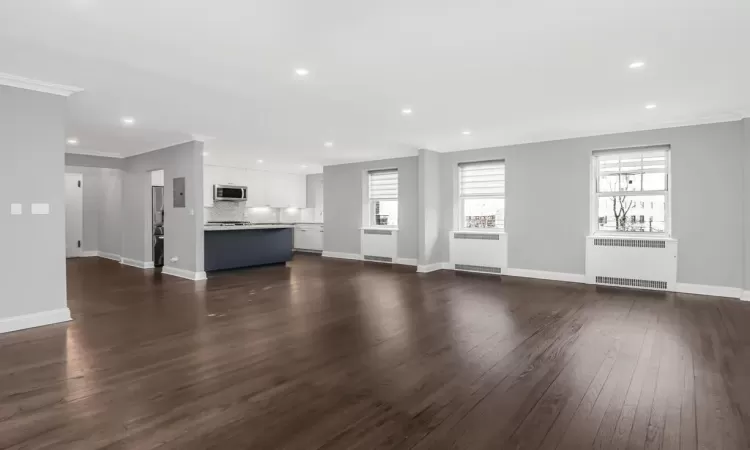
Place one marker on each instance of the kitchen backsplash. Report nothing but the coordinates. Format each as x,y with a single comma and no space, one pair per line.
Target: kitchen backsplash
231,211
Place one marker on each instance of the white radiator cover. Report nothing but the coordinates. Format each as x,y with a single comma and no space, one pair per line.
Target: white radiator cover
479,249
379,243
632,261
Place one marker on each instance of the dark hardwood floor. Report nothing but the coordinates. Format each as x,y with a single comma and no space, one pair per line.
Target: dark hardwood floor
344,355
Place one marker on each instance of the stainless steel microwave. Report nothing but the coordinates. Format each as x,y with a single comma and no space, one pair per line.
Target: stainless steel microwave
230,193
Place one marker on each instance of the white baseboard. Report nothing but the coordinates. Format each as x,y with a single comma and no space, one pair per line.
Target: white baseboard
544,275
136,263
182,273
89,253
716,291
339,255
427,268
406,261
745,296
111,256
39,319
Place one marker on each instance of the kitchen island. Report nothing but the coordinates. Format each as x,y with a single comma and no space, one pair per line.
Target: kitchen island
237,246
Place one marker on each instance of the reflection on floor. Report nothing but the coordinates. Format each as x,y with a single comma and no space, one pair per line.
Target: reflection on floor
340,354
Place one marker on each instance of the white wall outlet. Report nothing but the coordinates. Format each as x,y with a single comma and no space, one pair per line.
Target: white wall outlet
174,259
16,209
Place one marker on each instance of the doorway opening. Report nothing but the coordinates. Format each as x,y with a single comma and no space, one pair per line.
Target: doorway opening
73,215
157,217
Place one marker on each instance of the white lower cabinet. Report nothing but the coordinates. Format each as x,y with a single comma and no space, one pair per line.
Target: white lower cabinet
308,237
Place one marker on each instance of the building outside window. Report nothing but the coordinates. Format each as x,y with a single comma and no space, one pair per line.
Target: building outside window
383,195
481,194
631,185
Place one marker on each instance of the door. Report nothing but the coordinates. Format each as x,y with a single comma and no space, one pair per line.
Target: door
73,215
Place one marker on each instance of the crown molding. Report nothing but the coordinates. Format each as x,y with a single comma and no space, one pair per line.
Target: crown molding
94,153
202,137
7,79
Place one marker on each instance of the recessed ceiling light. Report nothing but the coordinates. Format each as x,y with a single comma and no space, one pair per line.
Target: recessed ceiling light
304,166
206,153
302,72
406,112
651,106
73,141
128,121
328,144
466,132
637,64
260,161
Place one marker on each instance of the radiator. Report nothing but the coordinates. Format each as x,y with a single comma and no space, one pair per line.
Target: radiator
479,251
379,245
632,262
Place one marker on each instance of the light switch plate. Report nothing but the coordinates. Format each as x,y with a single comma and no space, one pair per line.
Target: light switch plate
16,209
40,208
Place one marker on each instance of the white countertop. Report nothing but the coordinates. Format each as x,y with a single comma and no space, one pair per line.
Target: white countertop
244,227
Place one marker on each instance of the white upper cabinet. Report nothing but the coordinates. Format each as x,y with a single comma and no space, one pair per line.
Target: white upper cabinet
233,176
257,188
279,190
211,176
274,189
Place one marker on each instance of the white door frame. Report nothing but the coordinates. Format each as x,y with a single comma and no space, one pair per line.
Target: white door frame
73,215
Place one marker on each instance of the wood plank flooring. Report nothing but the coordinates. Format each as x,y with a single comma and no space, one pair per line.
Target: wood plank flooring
329,354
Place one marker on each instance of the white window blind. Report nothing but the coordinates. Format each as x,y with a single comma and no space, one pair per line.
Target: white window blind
482,179
384,185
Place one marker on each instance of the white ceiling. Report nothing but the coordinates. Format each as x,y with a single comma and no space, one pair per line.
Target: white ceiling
509,70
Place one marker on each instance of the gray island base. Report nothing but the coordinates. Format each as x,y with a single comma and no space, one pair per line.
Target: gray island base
236,248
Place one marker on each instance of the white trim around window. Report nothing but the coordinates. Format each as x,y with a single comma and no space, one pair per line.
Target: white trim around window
480,186
635,184
381,188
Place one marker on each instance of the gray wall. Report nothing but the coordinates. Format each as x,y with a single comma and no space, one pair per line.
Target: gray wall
72,159
430,250
550,180
342,190
746,167
32,144
110,211
183,235
102,204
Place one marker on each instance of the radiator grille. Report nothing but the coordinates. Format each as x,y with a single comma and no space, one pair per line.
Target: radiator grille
485,269
635,243
383,232
632,282
487,237
378,258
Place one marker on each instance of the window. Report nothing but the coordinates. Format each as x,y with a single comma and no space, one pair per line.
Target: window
383,191
626,183
481,192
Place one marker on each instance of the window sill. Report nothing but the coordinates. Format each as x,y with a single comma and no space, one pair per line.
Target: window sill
662,237
379,228
479,231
